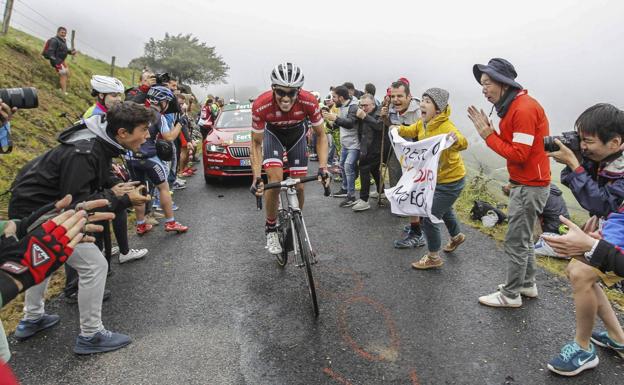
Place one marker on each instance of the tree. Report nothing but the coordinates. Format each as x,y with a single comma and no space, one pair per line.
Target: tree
185,58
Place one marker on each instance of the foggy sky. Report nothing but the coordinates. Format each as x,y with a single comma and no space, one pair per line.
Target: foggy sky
568,54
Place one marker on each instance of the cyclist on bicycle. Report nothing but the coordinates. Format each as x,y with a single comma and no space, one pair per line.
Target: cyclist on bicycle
279,125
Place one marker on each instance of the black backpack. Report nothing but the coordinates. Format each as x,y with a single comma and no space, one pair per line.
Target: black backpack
481,208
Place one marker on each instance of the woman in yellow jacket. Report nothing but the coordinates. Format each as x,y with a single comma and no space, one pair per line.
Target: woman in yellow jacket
435,113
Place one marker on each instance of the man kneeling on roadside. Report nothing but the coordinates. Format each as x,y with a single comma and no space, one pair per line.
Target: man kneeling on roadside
597,182
80,165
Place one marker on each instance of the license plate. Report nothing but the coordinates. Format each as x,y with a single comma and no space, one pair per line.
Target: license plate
245,162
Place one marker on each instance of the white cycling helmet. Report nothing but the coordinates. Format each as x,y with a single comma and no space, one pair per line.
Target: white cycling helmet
106,84
287,75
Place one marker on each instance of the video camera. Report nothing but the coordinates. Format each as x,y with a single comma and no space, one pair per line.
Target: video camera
570,139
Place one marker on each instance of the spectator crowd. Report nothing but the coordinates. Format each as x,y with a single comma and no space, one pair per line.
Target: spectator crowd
133,148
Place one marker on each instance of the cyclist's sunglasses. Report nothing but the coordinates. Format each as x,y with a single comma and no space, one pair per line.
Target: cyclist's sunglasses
281,93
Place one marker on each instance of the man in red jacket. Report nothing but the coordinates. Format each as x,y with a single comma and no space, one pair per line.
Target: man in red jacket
522,128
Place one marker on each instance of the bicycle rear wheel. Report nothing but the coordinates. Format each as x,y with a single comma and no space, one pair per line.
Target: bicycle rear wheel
306,258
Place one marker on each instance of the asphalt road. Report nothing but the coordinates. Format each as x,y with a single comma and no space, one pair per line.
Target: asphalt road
212,307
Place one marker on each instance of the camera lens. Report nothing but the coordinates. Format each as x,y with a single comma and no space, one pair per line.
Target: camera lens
20,97
549,144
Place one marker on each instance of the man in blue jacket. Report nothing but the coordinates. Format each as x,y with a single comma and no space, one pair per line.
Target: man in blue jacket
597,182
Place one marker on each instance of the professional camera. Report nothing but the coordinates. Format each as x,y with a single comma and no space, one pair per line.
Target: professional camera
569,139
20,97
162,78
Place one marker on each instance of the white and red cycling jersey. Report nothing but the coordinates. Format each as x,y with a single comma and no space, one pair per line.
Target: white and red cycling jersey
266,111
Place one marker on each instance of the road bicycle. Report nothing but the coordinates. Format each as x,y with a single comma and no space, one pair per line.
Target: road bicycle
292,232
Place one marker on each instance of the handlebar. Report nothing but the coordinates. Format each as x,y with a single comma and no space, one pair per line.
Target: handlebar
291,182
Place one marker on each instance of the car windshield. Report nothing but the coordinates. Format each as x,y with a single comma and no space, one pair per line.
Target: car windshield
234,119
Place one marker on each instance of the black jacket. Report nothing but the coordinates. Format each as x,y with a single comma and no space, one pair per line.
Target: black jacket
57,50
555,206
370,130
608,257
80,165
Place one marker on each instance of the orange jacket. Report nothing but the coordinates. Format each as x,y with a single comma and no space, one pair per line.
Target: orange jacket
521,141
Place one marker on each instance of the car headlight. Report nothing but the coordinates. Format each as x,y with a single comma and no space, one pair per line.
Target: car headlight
215,148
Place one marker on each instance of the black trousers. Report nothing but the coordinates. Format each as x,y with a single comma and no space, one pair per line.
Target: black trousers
369,166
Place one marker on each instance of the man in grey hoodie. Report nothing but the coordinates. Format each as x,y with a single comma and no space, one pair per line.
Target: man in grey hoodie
80,165
349,140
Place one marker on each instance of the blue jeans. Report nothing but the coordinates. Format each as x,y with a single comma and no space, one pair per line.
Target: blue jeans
444,197
348,162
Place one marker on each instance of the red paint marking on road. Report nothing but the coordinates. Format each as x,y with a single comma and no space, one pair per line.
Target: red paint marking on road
414,377
346,335
336,376
357,287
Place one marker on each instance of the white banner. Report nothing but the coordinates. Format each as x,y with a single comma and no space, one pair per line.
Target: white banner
413,194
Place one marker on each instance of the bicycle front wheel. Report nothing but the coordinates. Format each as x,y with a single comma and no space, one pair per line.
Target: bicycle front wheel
306,258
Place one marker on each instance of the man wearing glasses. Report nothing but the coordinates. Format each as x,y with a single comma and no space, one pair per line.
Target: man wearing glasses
279,125
370,127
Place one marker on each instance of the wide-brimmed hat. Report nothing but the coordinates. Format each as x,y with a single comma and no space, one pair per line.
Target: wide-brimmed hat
499,70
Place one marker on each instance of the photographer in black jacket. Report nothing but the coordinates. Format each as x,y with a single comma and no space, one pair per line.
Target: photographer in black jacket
80,166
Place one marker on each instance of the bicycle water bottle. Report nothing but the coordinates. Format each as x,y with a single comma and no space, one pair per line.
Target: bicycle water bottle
292,198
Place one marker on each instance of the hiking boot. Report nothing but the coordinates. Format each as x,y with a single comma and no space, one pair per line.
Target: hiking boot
273,244
360,205
102,341
573,359
428,262
27,328
143,228
73,297
454,242
411,240
529,292
132,254
498,299
603,339
175,226
340,194
347,202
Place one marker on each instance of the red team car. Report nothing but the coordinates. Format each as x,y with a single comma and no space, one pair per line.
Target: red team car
226,147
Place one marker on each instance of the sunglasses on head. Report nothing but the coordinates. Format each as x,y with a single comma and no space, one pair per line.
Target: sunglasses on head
281,93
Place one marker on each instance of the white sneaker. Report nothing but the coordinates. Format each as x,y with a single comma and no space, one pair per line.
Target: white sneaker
181,182
273,244
114,250
373,194
360,205
132,254
499,300
529,292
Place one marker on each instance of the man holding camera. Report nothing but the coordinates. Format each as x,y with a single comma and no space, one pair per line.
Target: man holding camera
523,126
80,165
595,175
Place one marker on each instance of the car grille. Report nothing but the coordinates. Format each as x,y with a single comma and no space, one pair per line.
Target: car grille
239,152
